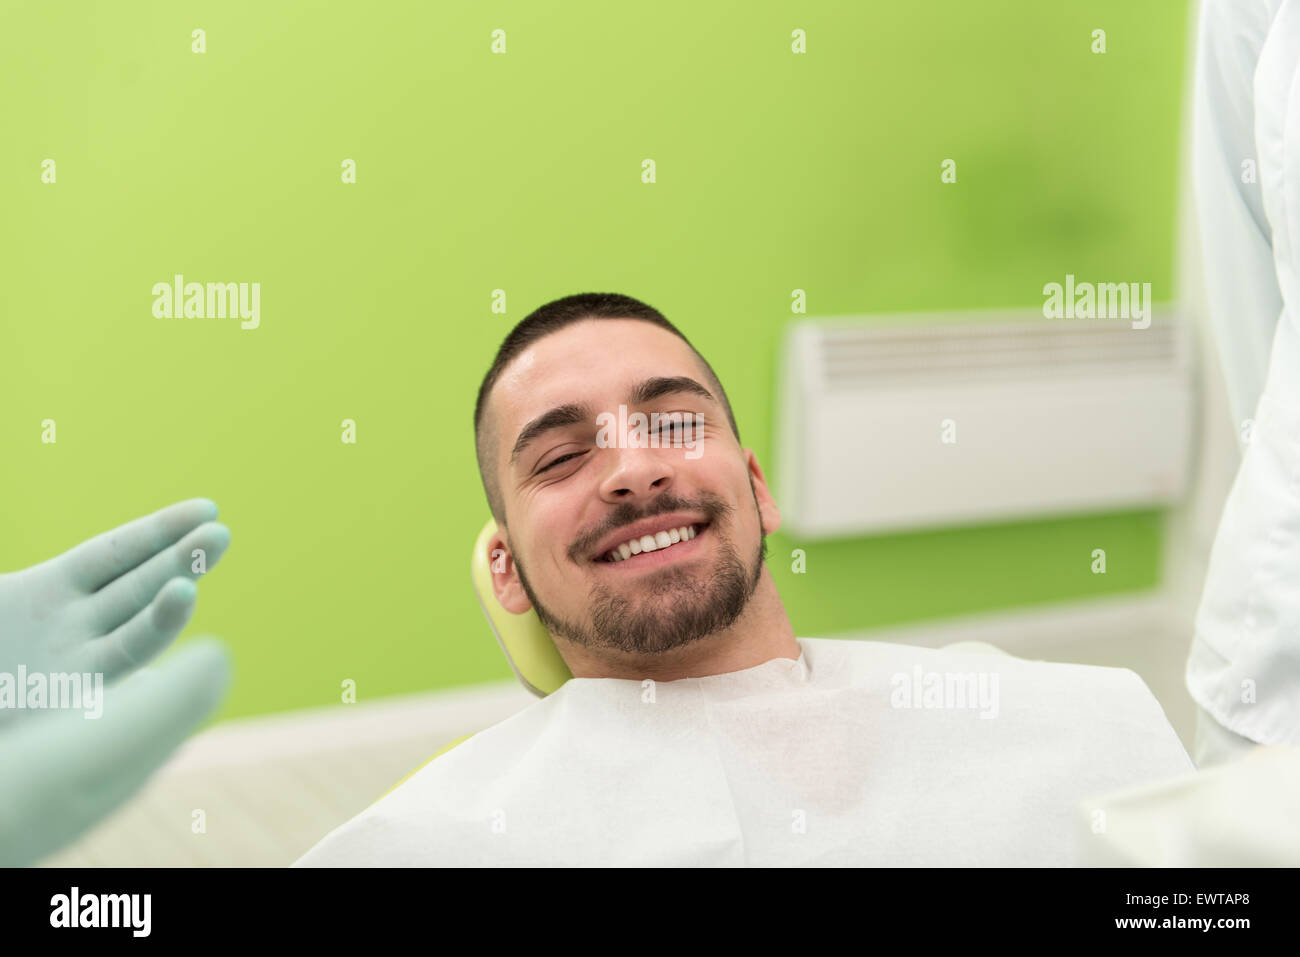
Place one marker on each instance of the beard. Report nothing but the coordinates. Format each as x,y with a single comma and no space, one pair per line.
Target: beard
672,607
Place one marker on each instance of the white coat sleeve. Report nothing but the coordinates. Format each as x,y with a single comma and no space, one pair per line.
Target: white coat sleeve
1244,301
1240,278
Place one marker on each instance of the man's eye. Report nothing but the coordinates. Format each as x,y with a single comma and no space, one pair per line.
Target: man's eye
562,458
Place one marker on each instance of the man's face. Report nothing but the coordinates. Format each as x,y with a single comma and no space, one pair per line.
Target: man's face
572,492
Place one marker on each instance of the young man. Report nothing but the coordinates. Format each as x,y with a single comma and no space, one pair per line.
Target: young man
698,729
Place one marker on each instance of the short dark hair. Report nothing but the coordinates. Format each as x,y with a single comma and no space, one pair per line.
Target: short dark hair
543,321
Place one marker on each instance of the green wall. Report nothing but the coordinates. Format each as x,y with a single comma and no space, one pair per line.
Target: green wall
521,172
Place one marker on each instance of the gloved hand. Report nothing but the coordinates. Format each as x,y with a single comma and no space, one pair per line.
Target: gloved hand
108,605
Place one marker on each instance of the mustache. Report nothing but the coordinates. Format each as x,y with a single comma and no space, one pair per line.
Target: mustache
712,506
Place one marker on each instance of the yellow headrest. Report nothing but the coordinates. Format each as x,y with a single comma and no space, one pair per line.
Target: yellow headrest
526,642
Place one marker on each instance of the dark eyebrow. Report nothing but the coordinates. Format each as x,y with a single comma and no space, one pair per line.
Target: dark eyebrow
557,418
650,389
573,413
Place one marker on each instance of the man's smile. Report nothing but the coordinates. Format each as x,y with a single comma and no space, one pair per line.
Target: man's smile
667,543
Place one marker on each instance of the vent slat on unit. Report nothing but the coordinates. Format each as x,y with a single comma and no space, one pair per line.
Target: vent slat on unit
920,423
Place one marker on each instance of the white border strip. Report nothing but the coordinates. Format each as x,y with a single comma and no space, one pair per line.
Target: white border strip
438,716
1035,631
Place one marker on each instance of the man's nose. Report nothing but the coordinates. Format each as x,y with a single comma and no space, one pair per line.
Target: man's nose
635,472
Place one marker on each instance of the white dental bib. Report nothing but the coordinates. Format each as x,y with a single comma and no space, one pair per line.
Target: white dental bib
820,761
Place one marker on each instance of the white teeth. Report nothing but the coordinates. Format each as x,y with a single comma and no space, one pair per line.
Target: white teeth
650,543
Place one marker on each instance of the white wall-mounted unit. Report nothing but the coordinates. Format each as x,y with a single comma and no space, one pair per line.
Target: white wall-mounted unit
921,422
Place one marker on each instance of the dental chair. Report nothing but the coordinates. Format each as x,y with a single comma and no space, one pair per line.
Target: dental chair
527,644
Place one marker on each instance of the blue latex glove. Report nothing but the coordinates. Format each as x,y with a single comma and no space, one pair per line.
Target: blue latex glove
109,605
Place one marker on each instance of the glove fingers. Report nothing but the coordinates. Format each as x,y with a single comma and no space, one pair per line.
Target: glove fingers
143,637
96,562
120,600
61,772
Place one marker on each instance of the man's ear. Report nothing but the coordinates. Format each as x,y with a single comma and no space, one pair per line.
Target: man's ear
767,510
505,578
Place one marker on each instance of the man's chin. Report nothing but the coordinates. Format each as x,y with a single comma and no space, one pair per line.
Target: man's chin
659,610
